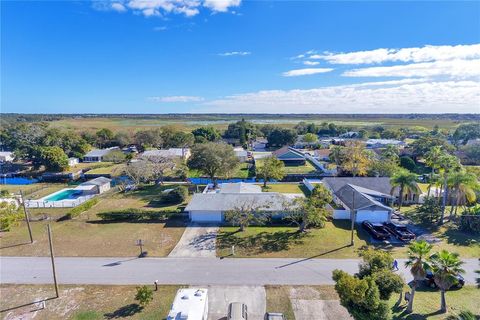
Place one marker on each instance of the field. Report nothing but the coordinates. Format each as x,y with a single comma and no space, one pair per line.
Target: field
87,235
284,188
301,169
84,302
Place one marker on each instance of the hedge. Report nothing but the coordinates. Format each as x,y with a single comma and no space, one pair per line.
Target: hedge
81,208
135,214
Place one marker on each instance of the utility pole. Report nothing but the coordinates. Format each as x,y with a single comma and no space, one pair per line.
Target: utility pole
27,218
352,215
52,259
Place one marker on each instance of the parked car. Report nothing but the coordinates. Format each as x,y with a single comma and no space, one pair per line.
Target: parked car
376,230
274,316
401,232
237,311
431,283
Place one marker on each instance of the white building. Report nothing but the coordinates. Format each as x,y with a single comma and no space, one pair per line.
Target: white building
98,185
190,304
6,156
72,162
182,153
241,154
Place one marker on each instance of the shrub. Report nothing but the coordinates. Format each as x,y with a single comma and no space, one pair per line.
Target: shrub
135,214
429,211
144,295
9,215
75,212
470,219
177,195
407,163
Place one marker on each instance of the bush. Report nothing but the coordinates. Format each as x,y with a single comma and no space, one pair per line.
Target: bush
470,219
9,215
177,195
407,163
144,295
75,212
134,214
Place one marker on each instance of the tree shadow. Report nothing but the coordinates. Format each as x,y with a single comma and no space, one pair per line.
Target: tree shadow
124,312
15,245
455,236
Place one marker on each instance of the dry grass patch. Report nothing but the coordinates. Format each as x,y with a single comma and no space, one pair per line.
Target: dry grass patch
278,300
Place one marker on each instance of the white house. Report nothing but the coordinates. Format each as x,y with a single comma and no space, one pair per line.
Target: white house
181,153
97,155
6,156
189,304
383,143
241,154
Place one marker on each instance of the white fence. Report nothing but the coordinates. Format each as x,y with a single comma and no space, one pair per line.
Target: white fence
68,203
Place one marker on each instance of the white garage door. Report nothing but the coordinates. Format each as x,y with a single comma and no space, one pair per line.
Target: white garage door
372,216
206,216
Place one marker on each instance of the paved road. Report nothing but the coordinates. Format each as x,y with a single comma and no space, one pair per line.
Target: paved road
189,271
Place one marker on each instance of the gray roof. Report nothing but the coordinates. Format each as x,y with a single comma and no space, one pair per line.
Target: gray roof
240,187
357,200
380,184
265,201
100,181
172,152
100,152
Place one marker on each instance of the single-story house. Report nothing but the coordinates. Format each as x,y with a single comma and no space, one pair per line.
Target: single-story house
72,162
241,154
6,156
179,153
211,206
350,135
290,156
130,149
367,204
379,184
383,143
97,155
96,186
260,144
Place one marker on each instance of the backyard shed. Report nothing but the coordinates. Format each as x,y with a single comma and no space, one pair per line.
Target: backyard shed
98,185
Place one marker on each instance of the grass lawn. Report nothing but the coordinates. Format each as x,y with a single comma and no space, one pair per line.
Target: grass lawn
301,169
241,172
427,303
89,236
84,302
112,169
284,188
278,300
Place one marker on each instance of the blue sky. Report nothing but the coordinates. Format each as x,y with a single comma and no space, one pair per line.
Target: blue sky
163,56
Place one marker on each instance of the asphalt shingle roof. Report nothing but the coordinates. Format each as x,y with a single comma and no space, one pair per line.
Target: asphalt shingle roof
357,200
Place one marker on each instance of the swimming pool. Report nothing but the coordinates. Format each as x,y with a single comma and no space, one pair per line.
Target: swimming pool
65,194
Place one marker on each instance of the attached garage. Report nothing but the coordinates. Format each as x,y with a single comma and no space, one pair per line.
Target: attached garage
206,216
372,216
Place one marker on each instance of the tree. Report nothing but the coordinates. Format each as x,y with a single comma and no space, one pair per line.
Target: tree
373,261
310,138
144,295
447,164
356,159
245,213
174,138
139,171
204,134
431,159
148,139
463,186
174,196
418,264
407,163
471,154
213,159
445,267
121,139
465,132
423,144
406,181
309,211
160,167
271,168
9,215
53,158
281,137
429,211
116,156
104,137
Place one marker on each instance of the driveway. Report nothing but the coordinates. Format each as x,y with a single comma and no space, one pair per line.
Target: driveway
197,241
219,297
307,304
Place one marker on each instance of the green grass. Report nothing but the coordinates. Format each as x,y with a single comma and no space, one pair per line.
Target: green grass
241,172
300,169
427,303
284,188
87,302
112,169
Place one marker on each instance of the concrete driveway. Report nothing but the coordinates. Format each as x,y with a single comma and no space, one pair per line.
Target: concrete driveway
219,297
197,241
308,304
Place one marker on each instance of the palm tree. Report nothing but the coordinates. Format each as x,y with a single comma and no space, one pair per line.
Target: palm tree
434,181
445,266
417,251
406,181
463,186
447,164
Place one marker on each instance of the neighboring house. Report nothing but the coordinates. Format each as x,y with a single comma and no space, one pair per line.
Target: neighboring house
379,184
350,135
290,156
368,204
96,186
189,304
211,206
98,154
6,156
260,144
130,149
179,153
241,154
322,154
72,162
383,143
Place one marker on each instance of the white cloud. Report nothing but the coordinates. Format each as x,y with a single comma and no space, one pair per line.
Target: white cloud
455,69
149,8
311,63
176,99
416,54
117,6
398,96
306,71
235,53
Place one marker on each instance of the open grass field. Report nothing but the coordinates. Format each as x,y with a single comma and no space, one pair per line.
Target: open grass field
84,302
87,235
301,169
284,188
329,242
